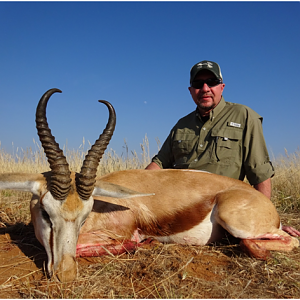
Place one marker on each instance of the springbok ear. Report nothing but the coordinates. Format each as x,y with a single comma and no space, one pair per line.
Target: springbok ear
107,189
25,182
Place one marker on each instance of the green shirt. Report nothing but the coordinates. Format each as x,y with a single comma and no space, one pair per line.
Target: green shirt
229,143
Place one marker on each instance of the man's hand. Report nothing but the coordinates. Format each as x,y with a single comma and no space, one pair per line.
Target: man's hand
291,231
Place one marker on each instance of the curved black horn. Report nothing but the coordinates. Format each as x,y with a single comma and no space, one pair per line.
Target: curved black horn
60,178
85,181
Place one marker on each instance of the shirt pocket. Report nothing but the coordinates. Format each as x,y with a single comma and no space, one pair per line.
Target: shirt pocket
226,145
182,149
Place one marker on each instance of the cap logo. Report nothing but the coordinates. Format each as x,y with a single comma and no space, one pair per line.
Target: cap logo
208,64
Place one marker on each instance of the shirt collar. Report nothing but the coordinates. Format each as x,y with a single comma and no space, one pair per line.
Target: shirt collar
218,108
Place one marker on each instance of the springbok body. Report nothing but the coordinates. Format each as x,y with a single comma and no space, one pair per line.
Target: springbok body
87,215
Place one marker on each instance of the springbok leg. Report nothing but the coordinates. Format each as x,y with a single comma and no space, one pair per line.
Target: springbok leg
250,216
93,245
259,247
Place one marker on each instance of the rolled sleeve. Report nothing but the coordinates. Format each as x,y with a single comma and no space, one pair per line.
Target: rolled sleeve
260,173
156,160
164,158
257,162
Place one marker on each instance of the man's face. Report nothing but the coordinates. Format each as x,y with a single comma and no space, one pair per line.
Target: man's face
206,98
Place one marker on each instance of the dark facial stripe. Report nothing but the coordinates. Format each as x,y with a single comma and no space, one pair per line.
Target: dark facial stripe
51,246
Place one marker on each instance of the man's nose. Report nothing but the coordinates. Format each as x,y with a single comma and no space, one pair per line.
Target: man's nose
205,87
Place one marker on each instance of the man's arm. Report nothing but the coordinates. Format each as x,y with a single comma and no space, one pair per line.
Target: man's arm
163,159
265,187
152,166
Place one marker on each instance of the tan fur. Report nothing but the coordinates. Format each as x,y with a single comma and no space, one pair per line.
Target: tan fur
180,208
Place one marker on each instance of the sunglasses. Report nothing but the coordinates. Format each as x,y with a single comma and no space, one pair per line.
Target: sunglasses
211,82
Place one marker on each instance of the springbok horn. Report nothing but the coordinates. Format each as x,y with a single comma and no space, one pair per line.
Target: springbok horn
60,178
85,181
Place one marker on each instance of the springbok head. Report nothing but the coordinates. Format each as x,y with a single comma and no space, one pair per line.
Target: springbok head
64,199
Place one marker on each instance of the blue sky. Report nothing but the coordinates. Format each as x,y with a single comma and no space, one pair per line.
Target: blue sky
138,55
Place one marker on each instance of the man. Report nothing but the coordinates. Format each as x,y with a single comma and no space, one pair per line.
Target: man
219,137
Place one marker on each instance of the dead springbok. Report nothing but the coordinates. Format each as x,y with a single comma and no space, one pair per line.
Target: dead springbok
114,213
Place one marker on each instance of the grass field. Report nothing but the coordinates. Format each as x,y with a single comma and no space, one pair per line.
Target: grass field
160,271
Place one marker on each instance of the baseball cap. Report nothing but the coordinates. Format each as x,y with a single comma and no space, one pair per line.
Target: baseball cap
206,65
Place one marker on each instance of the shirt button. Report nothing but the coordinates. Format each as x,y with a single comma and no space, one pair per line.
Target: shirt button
201,145
204,128
196,159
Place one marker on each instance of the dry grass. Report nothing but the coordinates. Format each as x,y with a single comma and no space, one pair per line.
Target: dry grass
286,183
160,271
33,160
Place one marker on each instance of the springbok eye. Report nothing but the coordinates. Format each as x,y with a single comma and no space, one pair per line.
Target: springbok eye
82,223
